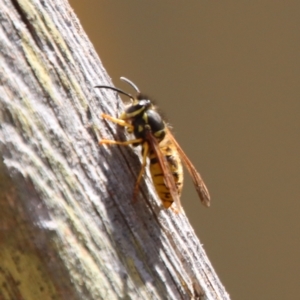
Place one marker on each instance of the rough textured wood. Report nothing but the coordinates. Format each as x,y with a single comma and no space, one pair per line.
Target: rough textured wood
68,227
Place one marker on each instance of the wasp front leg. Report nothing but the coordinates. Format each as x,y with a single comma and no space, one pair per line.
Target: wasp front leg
133,142
118,121
123,123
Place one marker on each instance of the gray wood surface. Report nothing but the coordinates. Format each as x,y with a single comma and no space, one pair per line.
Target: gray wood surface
68,226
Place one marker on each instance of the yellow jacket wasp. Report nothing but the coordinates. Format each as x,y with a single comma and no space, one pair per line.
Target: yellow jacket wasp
159,145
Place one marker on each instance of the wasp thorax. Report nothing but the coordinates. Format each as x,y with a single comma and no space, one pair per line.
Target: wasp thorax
148,121
155,122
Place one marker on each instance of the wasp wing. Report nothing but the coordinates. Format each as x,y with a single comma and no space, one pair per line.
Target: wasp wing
197,180
168,177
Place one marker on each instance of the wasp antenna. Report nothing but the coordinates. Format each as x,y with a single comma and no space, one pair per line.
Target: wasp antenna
114,89
131,83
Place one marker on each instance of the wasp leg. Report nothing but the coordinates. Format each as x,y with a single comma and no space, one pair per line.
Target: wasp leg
126,143
117,121
121,123
145,154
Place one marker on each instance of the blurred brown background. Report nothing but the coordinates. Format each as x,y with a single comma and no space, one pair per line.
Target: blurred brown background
227,75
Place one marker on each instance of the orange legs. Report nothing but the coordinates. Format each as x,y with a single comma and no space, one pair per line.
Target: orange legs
145,147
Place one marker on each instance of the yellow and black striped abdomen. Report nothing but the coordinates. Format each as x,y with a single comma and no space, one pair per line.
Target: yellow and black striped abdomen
170,153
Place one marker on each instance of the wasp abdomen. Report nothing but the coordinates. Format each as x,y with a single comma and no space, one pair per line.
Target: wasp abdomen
175,166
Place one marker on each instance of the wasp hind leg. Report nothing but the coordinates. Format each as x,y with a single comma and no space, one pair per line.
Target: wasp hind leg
145,154
142,171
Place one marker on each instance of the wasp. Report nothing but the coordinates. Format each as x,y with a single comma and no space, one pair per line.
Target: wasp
159,146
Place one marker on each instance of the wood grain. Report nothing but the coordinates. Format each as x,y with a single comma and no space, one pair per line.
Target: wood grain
68,226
